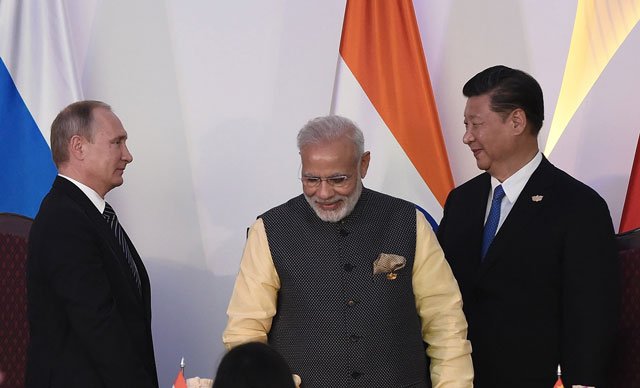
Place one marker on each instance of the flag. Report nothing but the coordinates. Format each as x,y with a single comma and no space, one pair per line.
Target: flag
558,383
180,381
37,80
382,83
631,211
599,30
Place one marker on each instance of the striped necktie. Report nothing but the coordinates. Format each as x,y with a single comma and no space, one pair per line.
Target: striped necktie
110,215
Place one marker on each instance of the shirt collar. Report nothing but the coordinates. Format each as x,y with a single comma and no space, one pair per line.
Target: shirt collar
514,185
94,197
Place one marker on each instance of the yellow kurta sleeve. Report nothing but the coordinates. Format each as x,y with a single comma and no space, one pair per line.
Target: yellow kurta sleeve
439,304
253,301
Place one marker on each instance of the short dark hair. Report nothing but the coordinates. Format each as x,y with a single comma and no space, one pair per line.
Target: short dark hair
509,89
253,365
75,119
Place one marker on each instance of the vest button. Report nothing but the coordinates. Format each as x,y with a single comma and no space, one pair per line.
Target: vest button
354,338
356,374
348,267
352,302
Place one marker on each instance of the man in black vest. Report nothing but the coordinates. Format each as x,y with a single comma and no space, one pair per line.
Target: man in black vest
348,283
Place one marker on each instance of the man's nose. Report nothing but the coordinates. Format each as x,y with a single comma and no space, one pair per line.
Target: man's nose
325,190
467,137
126,155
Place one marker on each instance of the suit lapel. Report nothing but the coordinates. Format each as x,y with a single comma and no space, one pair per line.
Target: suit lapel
528,207
469,221
142,272
144,277
103,229
478,210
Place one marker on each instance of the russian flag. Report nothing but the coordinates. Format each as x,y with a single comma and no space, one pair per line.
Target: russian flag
37,80
382,83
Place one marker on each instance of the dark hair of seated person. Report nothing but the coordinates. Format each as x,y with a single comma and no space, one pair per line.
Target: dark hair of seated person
253,365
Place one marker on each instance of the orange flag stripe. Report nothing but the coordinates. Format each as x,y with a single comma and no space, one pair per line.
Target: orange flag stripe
381,45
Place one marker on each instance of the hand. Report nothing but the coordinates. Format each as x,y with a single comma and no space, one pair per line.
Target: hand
297,380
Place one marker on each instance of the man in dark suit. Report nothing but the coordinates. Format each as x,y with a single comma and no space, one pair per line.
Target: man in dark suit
88,291
543,291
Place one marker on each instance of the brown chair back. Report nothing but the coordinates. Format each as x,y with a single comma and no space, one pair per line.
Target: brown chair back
14,327
626,362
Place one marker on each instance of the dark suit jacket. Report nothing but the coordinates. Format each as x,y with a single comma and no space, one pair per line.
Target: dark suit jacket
89,325
546,292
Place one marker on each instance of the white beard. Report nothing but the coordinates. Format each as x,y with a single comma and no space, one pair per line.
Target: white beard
348,204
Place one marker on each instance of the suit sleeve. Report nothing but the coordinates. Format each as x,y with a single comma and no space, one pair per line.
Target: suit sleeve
255,294
439,304
590,284
72,257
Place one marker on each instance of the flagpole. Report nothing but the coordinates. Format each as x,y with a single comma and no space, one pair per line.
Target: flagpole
180,381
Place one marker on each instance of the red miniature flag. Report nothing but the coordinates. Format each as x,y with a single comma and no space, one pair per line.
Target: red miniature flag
559,383
180,381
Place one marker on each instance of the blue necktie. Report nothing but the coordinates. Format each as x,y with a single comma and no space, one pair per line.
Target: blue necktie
110,215
493,219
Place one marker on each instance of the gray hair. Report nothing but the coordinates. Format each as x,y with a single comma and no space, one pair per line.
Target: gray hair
328,128
75,119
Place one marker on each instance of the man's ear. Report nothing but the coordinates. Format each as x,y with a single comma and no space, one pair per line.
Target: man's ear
519,121
77,147
364,163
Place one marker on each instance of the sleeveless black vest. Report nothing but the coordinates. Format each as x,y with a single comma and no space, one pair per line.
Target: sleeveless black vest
337,324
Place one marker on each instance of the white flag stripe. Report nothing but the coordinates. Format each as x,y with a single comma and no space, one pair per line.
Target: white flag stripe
391,170
35,44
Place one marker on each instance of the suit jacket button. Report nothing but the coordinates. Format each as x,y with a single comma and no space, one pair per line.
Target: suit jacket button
356,374
354,338
348,267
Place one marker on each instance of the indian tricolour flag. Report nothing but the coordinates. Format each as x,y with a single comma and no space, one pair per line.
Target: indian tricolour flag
382,84
37,80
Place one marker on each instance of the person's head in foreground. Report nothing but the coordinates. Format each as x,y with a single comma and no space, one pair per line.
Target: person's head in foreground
253,365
